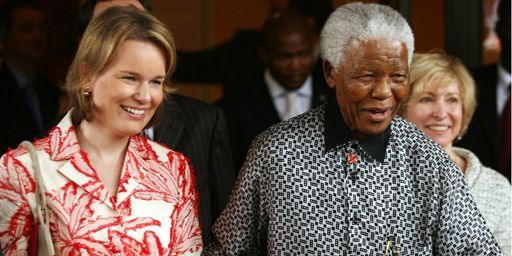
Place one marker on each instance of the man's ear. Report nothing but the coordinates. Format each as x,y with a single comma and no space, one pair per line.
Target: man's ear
329,72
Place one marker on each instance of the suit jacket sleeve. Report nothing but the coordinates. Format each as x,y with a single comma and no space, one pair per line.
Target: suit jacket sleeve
222,174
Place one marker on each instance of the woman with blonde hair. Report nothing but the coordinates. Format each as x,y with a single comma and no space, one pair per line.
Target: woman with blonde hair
109,191
441,102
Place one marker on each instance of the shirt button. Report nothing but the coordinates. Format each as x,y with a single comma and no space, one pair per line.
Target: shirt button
353,176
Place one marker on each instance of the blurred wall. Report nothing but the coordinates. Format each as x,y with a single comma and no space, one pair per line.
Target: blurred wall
428,24
199,24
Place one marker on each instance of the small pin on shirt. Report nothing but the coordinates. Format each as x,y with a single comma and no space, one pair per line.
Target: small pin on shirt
352,158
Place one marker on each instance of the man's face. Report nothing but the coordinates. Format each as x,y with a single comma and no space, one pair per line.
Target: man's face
290,58
105,4
370,83
26,38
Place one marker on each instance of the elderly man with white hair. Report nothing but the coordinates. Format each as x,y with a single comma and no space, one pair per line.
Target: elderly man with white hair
350,177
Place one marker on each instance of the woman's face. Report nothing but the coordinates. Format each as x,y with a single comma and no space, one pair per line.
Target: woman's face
437,111
129,89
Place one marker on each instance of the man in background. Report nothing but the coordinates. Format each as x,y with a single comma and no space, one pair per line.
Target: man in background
236,60
488,135
30,102
285,88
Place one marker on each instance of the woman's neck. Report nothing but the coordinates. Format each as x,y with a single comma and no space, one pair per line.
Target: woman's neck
106,153
98,141
461,162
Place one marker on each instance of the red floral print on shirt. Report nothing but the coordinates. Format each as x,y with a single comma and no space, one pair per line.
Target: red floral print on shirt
153,213
72,222
15,181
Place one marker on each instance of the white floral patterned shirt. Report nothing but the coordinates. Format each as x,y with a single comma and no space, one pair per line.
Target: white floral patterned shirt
153,213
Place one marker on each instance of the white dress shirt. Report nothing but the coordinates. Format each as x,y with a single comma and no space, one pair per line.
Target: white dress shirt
502,90
289,103
148,133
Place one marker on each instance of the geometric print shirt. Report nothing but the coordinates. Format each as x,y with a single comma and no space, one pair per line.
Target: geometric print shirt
307,188
154,211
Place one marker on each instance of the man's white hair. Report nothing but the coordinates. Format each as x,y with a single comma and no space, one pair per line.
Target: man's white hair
362,22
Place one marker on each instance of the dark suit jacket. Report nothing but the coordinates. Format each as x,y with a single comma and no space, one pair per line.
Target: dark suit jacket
250,111
199,131
18,121
483,136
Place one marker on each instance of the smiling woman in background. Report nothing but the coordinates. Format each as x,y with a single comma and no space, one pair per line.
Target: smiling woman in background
441,102
109,190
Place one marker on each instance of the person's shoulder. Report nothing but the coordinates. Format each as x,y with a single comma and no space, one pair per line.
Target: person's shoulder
182,100
404,130
248,88
13,153
495,179
20,154
493,186
246,97
480,172
426,157
164,158
308,124
484,70
485,73
163,153
416,142
8,82
242,40
191,107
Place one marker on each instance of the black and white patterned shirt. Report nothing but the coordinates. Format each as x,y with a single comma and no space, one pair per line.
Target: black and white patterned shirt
306,188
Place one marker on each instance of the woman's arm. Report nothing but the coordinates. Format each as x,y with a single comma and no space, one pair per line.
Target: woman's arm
16,221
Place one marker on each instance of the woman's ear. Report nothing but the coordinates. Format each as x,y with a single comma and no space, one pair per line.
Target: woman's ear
329,71
82,71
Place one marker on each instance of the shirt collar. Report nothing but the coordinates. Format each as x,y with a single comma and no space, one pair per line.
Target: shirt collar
277,90
64,142
337,133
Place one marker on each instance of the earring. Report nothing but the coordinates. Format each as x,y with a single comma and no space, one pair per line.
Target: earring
87,91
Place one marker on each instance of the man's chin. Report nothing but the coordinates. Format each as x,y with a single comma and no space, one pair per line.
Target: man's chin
376,128
293,85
